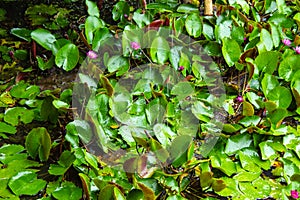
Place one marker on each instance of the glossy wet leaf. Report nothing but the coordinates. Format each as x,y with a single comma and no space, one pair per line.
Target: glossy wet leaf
16,115
60,104
44,38
26,183
24,90
92,23
281,96
159,50
22,33
288,67
92,8
67,190
193,25
237,142
67,57
118,63
266,42
231,51
38,143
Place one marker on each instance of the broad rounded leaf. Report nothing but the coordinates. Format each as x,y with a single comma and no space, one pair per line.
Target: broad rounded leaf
67,190
26,183
288,67
67,57
38,142
118,63
44,38
193,25
92,8
160,50
231,51
6,128
281,96
16,114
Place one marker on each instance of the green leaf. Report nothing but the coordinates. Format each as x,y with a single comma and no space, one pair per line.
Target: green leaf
178,149
26,183
67,190
231,51
268,83
288,67
193,25
101,36
248,109
237,142
281,96
60,104
119,10
187,8
24,90
45,65
206,179
275,35
13,115
6,128
92,8
160,50
118,63
135,194
44,38
67,57
38,142
163,133
182,90
267,61
218,185
267,152
142,19
231,128
266,38
202,112
22,33
92,23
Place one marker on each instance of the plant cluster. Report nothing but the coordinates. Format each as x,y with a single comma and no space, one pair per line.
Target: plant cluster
168,103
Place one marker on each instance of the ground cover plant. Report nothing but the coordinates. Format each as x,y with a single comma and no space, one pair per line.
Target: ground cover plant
160,99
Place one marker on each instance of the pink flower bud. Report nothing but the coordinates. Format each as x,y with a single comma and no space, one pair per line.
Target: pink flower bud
92,54
239,99
180,68
297,49
286,42
135,45
294,194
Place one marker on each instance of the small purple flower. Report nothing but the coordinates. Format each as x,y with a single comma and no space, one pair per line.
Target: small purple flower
135,45
297,49
92,54
125,15
294,194
239,99
180,68
286,42
245,39
11,54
